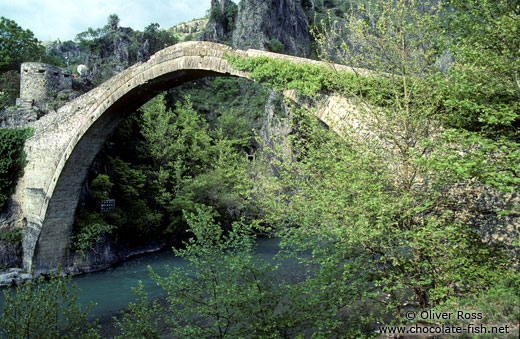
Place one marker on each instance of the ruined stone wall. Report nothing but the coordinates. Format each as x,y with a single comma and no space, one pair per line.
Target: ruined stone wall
39,81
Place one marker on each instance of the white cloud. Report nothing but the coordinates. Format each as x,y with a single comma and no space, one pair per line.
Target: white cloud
52,19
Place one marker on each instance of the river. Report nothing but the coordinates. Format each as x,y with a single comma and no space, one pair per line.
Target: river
111,289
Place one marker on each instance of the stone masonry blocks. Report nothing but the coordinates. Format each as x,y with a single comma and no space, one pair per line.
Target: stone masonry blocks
39,80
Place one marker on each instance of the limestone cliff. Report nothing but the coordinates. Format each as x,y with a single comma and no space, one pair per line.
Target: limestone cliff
114,52
221,21
265,24
10,255
69,52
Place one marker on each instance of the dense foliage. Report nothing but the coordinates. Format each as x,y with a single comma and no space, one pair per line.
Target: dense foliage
377,205
483,84
9,87
11,236
45,309
164,161
225,16
225,291
380,214
17,45
12,160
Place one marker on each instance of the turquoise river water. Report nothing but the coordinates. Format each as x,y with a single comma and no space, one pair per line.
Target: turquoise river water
111,289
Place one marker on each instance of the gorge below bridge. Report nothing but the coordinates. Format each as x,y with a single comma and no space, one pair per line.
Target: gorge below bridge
65,142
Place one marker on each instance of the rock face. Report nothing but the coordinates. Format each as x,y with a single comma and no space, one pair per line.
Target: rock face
43,88
260,24
115,52
108,252
12,276
221,21
481,207
10,254
191,30
276,126
69,52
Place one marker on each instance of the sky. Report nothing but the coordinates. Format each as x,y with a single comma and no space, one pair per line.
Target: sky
63,19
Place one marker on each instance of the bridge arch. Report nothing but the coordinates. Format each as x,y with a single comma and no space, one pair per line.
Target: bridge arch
65,142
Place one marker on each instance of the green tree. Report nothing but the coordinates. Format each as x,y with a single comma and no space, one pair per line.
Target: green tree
175,138
158,38
276,46
226,292
101,187
135,194
90,229
179,145
481,89
87,39
17,45
9,88
395,42
193,164
483,83
45,309
113,21
230,14
375,204
142,318
12,160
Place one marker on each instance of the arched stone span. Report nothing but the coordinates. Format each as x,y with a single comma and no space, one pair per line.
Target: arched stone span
65,142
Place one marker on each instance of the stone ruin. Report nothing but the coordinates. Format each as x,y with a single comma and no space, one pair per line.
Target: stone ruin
40,82
43,88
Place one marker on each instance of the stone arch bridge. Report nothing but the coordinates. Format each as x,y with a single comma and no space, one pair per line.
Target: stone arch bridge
65,142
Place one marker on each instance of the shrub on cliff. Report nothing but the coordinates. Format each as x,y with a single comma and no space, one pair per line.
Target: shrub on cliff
12,160
9,88
113,48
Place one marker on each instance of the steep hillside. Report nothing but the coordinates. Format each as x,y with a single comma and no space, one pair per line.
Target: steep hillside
191,30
